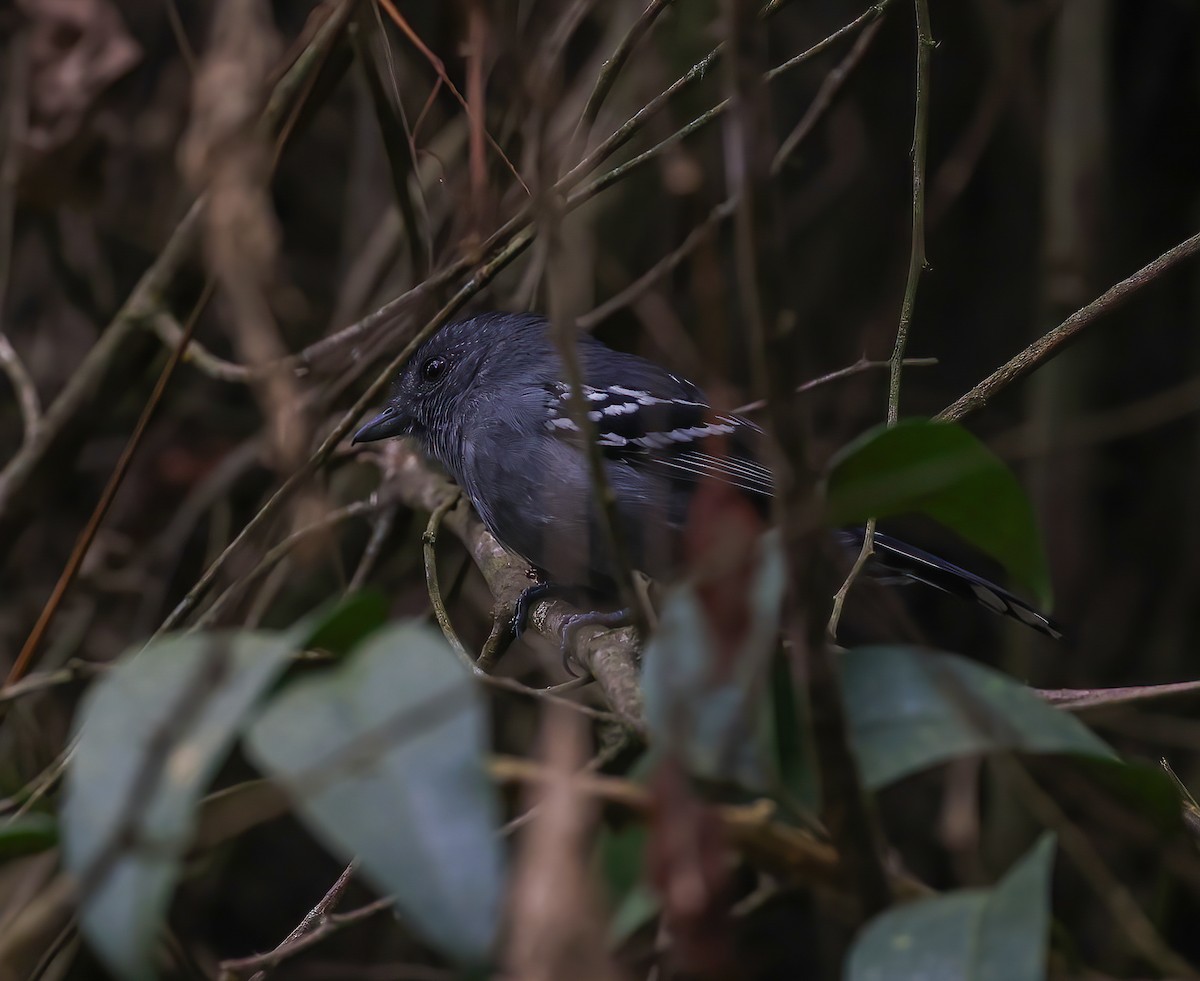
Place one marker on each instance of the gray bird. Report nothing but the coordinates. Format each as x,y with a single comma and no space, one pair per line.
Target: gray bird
486,398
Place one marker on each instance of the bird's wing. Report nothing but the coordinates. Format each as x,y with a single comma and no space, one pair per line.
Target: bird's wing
669,429
660,423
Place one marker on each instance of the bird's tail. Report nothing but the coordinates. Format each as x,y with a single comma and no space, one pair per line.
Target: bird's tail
896,559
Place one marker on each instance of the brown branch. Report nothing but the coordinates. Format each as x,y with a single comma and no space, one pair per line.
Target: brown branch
780,847
429,549
1081,699
313,920
610,656
1052,343
330,924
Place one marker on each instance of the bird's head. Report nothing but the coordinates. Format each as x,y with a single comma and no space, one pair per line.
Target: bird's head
445,373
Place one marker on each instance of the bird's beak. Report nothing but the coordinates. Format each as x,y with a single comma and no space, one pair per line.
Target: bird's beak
390,422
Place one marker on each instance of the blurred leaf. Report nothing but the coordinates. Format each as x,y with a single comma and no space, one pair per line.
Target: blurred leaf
909,709
151,734
790,723
384,759
348,623
708,708
996,934
622,858
232,811
1146,788
940,470
637,908
27,835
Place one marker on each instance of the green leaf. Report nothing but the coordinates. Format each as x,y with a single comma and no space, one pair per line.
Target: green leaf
384,758
910,708
997,934
349,622
151,735
714,715
27,835
940,470
621,856
790,725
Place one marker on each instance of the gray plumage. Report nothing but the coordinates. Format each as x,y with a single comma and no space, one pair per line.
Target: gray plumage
486,398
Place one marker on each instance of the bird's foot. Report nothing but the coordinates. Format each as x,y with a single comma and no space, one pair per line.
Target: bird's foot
572,626
529,596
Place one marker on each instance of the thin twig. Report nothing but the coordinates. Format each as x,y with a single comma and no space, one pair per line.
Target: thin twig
440,69
1052,342
26,392
312,921
106,497
237,589
482,277
1081,699
1127,915
831,85
146,297
381,527
580,195
552,696
666,265
775,346
916,263
429,550
916,260
612,66
70,673
859,366
331,924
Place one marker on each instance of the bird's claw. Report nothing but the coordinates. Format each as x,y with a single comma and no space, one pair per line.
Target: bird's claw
573,624
524,605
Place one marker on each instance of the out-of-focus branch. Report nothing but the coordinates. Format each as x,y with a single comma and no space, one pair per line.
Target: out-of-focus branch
146,297
482,277
14,112
87,536
776,347
752,828
228,157
27,396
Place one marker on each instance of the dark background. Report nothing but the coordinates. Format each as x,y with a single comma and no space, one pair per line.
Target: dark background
1064,147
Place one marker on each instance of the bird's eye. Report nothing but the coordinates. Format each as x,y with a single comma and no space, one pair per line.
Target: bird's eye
434,368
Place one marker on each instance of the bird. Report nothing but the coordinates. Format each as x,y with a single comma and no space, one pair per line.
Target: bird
486,397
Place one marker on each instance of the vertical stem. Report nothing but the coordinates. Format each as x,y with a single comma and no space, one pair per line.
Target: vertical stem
916,258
